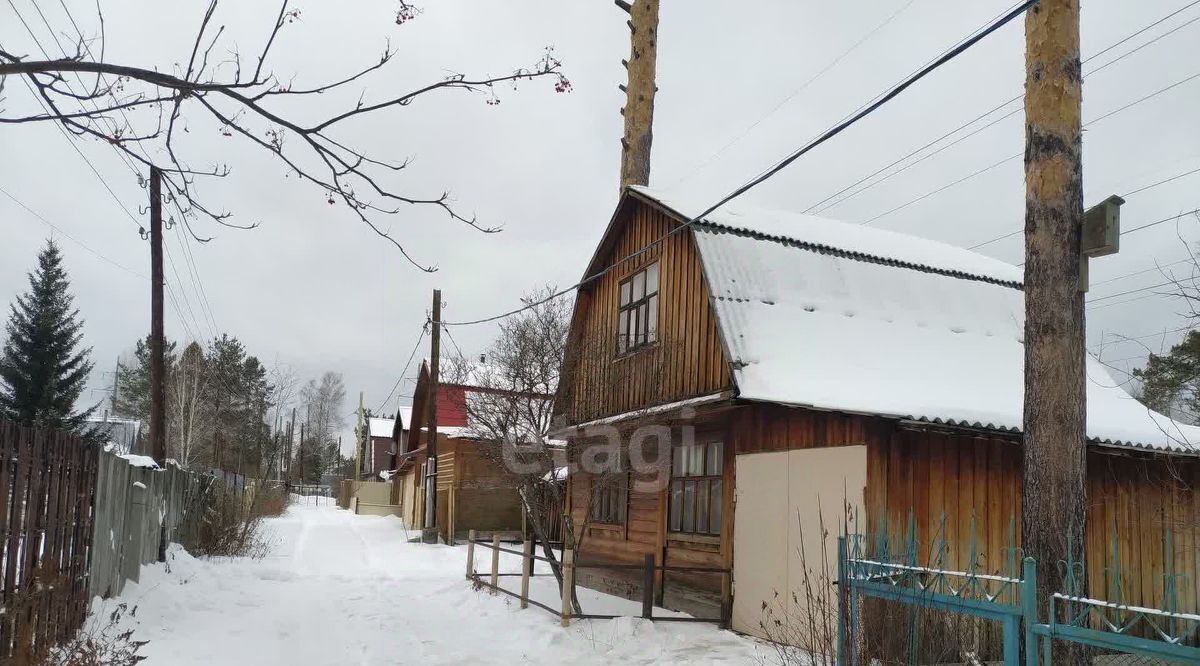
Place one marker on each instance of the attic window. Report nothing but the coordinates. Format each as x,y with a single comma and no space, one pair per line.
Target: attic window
637,314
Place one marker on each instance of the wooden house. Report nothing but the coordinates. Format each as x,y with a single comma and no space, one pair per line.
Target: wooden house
800,365
473,492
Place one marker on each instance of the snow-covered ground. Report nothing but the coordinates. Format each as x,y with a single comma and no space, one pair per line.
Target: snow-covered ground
343,589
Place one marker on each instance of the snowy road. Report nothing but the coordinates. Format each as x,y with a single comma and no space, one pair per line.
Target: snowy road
342,589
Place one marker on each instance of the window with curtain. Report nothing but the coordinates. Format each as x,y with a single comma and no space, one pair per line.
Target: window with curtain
609,500
695,503
637,315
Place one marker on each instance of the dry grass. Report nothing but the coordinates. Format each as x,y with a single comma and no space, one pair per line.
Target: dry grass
101,642
225,522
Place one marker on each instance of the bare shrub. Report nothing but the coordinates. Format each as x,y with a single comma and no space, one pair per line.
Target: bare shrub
101,642
222,521
269,501
802,625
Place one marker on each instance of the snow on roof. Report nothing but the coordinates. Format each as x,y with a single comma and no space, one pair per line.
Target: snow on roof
406,412
853,240
848,318
378,427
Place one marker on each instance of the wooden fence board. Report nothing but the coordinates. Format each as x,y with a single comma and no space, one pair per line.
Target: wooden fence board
63,506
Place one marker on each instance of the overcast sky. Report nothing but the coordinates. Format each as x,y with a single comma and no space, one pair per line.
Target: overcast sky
314,288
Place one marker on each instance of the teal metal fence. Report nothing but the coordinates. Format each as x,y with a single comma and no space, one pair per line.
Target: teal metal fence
880,568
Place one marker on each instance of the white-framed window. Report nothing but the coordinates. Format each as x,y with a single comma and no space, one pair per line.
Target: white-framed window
637,314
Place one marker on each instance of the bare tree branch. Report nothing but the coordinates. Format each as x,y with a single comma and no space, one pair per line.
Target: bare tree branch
237,103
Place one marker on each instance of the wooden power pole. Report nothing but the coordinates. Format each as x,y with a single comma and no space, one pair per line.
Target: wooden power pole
1053,492
158,420
639,92
360,438
432,447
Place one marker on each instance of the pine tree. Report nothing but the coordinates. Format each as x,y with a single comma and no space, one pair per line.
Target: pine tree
1171,382
43,370
133,381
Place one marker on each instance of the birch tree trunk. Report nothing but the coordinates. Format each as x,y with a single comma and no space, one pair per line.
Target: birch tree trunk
1053,494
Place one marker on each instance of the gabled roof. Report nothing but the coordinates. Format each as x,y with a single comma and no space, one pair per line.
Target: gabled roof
828,315
380,427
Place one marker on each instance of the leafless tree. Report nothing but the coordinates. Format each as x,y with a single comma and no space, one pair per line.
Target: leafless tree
510,409
189,419
324,417
142,111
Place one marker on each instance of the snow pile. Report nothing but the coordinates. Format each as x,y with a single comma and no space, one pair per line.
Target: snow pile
342,589
140,461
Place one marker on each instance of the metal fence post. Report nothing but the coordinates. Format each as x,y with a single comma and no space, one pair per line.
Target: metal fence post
648,586
1029,609
495,560
526,570
568,583
470,554
843,589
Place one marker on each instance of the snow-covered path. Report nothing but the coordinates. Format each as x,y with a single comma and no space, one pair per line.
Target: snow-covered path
343,589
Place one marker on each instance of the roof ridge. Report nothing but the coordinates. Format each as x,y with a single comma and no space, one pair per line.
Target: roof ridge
867,257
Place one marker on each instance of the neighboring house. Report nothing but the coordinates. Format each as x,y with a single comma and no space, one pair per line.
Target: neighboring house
381,447
473,492
124,434
823,364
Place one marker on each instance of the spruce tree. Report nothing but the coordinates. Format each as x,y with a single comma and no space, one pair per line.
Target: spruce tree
43,370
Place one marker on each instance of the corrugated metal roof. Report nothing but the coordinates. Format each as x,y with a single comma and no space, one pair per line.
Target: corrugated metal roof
847,318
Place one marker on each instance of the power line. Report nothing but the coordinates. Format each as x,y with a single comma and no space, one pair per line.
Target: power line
993,122
455,343
1123,232
424,330
870,108
1141,272
91,166
1131,291
1015,156
804,86
78,242
1158,222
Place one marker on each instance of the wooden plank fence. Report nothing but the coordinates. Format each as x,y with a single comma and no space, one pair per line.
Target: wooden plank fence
47,479
76,522
138,511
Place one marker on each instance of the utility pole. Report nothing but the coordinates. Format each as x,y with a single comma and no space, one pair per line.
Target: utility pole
158,420
432,448
358,445
1053,491
116,377
639,91
301,456
287,468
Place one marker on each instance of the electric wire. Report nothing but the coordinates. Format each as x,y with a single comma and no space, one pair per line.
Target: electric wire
873,106
818,207
411,356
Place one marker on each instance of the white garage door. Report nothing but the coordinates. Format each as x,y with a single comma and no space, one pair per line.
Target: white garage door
777,499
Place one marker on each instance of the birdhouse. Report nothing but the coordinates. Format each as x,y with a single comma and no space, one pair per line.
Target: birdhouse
1101,234
1102,228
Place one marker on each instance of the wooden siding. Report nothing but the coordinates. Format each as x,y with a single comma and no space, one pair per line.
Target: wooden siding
974,481
688,360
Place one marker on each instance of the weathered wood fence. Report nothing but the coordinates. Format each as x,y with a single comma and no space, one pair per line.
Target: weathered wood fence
565,612
76,522
47,480
138,512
